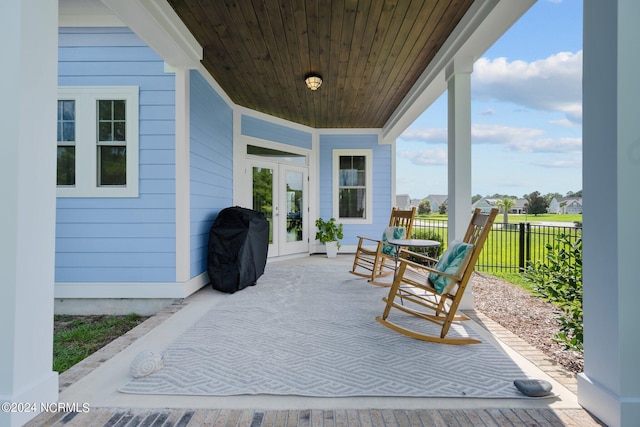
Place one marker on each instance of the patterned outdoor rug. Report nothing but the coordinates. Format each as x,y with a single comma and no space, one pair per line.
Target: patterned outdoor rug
311,331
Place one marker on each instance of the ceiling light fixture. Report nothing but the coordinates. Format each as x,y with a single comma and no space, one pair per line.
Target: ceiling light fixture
313,81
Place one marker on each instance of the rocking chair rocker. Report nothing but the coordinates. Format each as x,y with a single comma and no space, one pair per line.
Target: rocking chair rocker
432,289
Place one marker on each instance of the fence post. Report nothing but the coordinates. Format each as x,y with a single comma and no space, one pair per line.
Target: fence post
521,248
528,240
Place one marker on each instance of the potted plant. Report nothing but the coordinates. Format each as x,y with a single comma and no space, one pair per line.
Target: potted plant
329,233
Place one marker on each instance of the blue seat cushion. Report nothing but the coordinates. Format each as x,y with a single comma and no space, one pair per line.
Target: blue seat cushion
453,261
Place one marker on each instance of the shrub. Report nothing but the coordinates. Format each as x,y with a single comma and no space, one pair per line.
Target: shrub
559,280
426,234
424,208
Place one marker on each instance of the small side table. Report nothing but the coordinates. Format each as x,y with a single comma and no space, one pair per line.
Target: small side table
415,243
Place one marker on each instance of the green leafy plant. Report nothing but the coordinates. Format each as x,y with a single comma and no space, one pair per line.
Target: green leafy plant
425,234
329,231
559,280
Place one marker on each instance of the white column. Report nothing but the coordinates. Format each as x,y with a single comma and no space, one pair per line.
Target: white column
28,83
183,176
458,76
610,384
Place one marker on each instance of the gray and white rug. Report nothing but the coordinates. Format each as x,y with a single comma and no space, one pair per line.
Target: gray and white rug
311,331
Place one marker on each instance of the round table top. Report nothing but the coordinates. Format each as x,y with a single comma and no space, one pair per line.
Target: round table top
422,243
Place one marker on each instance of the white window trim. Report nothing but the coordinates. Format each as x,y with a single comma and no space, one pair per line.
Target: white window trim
368,154
86,98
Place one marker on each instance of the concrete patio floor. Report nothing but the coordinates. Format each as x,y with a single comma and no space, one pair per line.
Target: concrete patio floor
95,382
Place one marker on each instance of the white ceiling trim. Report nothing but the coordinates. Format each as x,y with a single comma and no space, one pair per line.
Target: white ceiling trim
157,24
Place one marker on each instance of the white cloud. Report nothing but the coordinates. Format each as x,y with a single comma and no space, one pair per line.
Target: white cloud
562,122
551,84
428,135
549,145
500,134
560,164
515,139
425,157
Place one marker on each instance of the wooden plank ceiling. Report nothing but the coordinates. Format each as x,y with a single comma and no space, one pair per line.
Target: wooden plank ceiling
368,52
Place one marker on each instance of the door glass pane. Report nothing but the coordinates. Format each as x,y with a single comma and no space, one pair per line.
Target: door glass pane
294,182
263,195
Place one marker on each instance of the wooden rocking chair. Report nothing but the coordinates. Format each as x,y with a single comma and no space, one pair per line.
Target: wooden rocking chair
432,289
374,258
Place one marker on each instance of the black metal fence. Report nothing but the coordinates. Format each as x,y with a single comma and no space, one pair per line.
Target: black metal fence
509,246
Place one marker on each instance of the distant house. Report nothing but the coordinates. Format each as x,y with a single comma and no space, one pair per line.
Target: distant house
519,207
403,201
437,200
485,205
566,205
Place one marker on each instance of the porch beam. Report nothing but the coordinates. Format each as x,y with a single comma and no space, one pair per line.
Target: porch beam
28,81
610,384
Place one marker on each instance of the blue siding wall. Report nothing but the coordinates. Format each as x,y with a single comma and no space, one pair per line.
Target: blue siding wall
382,198
274,132
122,239
211,165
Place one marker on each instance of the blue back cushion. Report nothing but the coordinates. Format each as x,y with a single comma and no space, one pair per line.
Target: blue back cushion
452,261
391,233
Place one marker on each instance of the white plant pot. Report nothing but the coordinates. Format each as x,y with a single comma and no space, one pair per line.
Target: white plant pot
332,249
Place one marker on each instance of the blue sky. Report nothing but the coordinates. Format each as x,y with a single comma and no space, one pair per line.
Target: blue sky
526,114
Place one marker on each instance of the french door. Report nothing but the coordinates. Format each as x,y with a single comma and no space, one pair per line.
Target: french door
279,191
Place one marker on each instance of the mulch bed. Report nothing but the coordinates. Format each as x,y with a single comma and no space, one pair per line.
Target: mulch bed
529,317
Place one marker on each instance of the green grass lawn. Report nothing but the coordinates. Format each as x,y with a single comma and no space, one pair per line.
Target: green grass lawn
76,337
517,218
502,246
513,278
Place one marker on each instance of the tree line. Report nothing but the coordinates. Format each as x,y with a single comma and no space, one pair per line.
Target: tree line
537,203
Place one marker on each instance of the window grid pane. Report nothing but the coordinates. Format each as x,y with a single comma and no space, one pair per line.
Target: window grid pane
111,121
352,203
66,121
66,174
112,165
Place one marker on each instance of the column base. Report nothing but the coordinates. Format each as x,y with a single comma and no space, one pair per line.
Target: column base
44,391
611,409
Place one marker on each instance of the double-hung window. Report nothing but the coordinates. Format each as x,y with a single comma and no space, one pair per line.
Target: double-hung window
352,178
97,141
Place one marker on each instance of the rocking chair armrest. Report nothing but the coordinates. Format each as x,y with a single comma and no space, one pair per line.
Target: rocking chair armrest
369,239
403,260
369,245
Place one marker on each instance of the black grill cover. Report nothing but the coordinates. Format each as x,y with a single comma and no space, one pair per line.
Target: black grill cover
238,244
